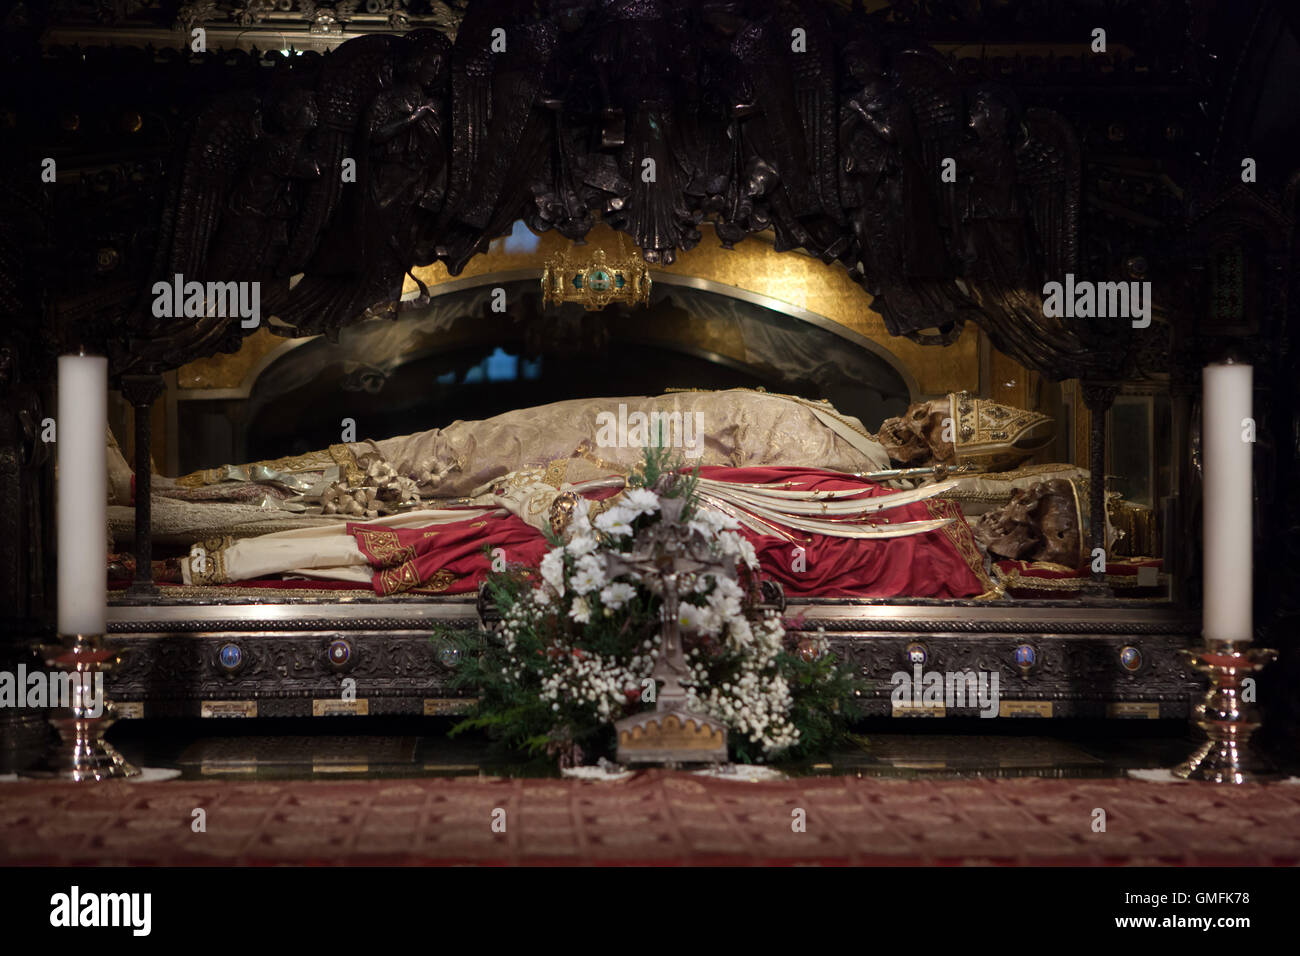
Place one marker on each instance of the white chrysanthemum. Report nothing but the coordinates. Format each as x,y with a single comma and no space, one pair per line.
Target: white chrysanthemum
552,569
708,621
580,611
689,617
616,522
588,575
702,528
617,594
735,545
580,522
724,605
640,501
581,544
728,587
716,520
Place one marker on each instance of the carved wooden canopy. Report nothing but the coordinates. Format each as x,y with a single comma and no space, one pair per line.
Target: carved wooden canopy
947,200
834,130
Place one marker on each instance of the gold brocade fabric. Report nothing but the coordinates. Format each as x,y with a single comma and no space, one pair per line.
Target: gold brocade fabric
735,427
1139,533
384,548
340,455
1014,579
211,569
996,436
343,457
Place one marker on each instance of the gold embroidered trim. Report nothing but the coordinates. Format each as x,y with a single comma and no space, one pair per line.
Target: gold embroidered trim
308,461
1015,579
214,562
398,579
441,581
385,548
343,457
987,431
959,533
197,479
555,471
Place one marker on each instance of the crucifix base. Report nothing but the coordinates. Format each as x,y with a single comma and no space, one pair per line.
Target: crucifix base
673,735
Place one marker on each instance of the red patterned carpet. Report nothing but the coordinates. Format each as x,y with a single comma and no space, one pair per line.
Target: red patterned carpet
656,817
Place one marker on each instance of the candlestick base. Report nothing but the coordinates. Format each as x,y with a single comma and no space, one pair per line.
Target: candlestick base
82,753
1228,721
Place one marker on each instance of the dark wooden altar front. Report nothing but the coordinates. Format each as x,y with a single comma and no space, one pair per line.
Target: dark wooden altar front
1054,660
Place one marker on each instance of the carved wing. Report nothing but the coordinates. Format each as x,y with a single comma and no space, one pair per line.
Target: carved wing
1047,167
220,146
931,90
349,80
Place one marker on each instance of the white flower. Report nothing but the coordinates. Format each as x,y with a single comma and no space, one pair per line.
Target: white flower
724,605
640,501
689,617
708,621
737,546
720,519
702,528
541,597
728,587
589,575
617,594
580,611
552,568
580,523
615,522
712,520
581,544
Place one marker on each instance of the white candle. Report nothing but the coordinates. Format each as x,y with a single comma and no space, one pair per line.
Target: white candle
1227,443
82,493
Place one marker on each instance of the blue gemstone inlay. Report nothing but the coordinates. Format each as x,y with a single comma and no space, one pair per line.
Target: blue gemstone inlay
230,655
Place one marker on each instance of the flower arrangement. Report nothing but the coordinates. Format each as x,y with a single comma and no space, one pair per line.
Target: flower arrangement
579,636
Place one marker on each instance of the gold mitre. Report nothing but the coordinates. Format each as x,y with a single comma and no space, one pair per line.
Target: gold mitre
995,437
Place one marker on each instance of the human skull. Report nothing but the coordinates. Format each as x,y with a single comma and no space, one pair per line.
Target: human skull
1037,524
1058,521
915,438
1009,532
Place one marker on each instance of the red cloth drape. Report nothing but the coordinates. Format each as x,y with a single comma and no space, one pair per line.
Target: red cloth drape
455,558
938,564
448,558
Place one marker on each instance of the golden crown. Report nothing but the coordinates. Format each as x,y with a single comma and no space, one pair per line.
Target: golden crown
595,280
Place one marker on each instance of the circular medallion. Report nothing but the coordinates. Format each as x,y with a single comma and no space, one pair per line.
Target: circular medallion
339,653
449,656
230,657
916,653
1025,656
1130,658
